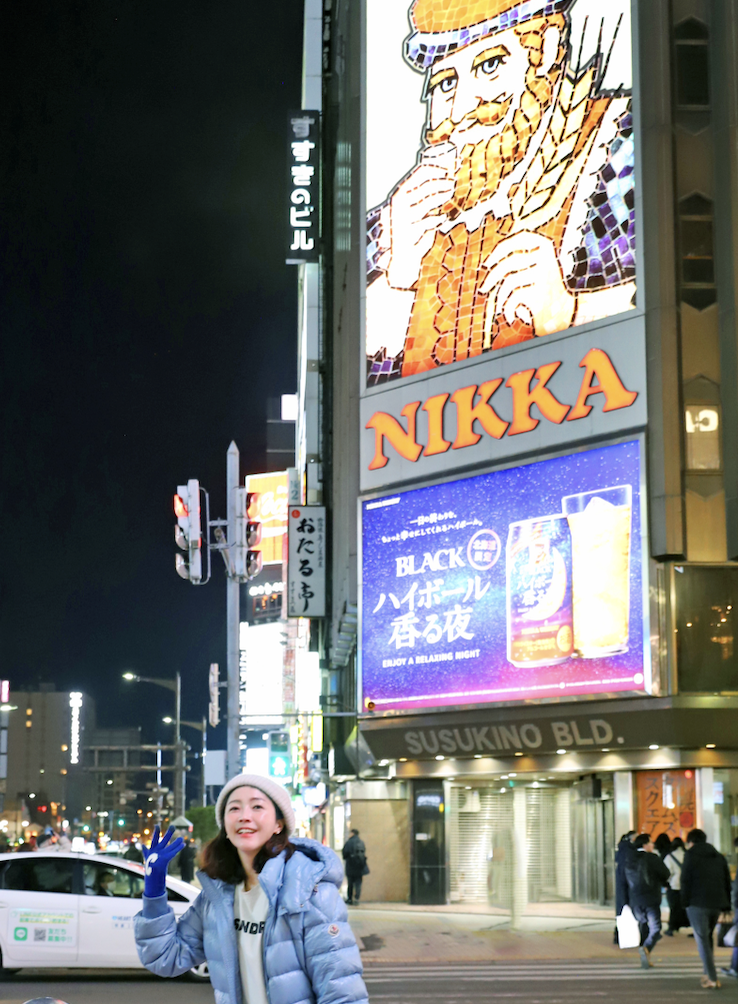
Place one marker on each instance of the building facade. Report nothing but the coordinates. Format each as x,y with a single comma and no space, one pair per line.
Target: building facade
521,332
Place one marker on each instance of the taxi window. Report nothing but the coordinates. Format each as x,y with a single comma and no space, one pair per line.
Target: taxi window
107,880
39,875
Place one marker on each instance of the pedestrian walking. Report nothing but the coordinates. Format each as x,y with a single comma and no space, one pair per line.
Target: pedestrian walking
354,854
624,848
705,895
645,874
674,861
269,921
187,857
733,971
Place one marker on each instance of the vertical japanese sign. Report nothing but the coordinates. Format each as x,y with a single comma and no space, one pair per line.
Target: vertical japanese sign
666,802
517,584
306,563
303,186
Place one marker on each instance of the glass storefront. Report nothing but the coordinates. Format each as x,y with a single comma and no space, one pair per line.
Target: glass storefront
515,842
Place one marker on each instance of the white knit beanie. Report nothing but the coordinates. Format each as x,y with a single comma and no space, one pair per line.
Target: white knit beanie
275,791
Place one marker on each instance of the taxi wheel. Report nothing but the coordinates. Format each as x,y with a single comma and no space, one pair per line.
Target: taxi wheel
201,973
6,974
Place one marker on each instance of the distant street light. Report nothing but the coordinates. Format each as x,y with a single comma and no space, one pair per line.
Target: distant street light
201,727
179,765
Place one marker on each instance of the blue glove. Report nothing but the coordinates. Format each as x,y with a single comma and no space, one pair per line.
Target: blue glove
157,858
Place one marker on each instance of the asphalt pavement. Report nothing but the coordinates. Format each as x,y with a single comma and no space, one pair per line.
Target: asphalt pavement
674,981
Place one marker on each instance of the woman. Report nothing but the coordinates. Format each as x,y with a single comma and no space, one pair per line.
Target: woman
674,861
270,921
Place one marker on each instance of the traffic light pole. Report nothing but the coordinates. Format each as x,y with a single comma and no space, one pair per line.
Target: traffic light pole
233,616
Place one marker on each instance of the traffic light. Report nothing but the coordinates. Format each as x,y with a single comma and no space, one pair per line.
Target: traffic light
280,756
246,561
188,531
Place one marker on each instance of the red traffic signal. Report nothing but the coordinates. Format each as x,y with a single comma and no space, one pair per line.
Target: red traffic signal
180,509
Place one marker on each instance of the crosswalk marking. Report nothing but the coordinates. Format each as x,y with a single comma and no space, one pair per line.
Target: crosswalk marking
536,973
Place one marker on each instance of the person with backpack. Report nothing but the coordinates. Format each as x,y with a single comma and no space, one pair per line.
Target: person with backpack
705,895
354,854
674,861
645,874
269,921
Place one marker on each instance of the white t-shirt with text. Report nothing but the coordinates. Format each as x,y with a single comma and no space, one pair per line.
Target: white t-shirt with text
249,915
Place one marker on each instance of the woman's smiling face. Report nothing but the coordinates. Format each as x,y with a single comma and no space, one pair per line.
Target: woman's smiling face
250,819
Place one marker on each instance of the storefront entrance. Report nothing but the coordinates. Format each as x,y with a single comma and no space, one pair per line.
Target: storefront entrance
532,842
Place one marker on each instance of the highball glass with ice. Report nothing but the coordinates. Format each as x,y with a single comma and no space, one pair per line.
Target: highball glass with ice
600,534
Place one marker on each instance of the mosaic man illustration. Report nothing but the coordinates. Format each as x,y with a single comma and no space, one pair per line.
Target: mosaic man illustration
517,221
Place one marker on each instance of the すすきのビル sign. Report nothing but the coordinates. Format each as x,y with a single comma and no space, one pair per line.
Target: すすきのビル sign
303,206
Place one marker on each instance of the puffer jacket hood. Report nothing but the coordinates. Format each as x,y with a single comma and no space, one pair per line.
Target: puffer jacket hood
310,954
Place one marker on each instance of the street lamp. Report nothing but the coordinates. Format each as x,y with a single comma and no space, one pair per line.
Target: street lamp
179,765
201,727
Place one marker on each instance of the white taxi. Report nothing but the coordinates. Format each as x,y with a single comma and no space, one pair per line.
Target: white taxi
63,909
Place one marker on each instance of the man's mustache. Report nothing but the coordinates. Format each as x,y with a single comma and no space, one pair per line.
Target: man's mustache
488,113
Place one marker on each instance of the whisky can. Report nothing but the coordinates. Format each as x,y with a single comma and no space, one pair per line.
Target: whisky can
539,597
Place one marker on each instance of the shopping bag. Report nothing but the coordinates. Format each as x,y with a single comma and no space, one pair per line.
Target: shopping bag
722,930
730,938
629,931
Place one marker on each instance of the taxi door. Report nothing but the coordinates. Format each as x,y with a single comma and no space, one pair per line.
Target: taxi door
111,897
39,914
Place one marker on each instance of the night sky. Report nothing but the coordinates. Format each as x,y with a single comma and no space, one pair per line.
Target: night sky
147,314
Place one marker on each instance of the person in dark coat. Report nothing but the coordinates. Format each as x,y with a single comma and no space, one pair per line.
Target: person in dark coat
645,874
187,861
705,895
733,971
662,844
354,854
624,848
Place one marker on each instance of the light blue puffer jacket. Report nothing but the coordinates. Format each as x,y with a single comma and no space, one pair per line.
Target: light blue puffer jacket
310,954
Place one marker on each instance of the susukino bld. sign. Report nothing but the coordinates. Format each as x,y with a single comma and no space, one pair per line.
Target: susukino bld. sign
516,584
500,175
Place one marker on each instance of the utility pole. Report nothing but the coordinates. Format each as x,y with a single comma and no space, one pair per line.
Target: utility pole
233,616
180,777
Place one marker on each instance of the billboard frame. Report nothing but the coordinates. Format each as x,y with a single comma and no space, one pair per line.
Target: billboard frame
650,666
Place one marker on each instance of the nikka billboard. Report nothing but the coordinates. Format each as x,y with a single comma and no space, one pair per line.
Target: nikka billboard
503,311
548,394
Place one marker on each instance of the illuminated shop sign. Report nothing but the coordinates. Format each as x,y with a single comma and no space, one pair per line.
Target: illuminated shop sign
303,208
270,509
546,395
75,703
499,175
512,585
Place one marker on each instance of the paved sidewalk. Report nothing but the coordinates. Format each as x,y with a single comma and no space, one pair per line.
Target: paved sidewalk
392,933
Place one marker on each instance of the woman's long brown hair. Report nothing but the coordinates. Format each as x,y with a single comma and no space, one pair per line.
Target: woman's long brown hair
219,858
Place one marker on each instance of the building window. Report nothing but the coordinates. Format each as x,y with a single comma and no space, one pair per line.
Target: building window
705,614
692,65
696,251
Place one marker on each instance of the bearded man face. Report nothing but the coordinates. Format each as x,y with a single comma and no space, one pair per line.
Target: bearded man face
487,100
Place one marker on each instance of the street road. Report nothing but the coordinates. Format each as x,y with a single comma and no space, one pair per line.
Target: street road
675,982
